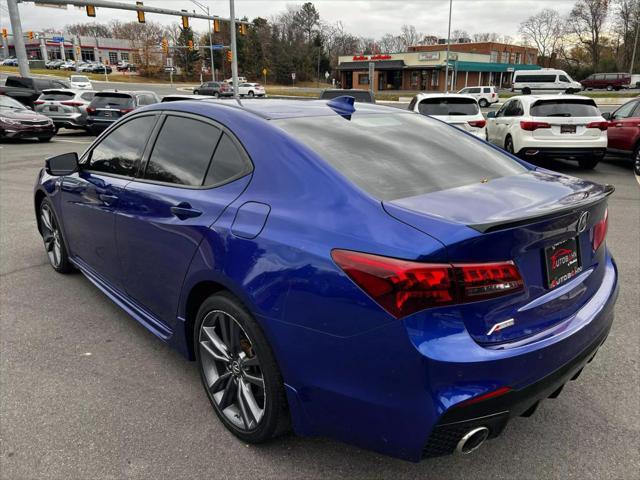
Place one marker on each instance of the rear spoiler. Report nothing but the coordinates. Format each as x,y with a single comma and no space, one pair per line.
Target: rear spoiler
583,200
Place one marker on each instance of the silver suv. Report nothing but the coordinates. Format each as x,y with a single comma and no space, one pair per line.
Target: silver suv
67,108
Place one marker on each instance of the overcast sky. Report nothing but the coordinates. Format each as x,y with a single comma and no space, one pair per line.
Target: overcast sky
367,18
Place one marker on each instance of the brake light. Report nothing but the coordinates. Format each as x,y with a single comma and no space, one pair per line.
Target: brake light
403,287
487,396
478,123
72,104
91,110
126,110
530,126
601,125
600,231
493,95
39,102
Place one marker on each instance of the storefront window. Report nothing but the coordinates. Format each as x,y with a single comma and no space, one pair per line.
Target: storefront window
505,57
435,75
363,78
88,54
113,58
494,56
124,56
415,78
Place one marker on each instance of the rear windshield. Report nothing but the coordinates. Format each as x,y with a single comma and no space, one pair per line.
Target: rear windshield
448,106
399,155
75,78
359,95
111,101
56,96
564,108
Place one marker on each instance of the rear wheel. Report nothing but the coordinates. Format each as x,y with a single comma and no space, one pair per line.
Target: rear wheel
526,91
251,94
609,88
45,139
52,236
589,163
238,370
483,103
508,145
636,161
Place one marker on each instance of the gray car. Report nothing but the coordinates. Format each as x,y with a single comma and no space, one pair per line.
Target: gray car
67,108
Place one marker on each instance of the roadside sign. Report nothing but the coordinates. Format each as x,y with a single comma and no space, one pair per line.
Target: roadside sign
326,75
217,47
510,69
169,62
264,71
58,39
51,5
293,75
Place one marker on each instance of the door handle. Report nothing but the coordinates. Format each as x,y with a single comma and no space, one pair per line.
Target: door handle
184,210
618,124
108,199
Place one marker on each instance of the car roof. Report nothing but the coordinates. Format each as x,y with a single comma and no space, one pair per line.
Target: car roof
479,86
66,90
560,96
422,96
272,109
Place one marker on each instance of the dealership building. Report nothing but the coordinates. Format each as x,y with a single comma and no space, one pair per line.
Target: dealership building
423,67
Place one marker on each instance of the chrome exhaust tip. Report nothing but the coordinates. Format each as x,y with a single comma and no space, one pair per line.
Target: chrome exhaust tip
472,440
531,153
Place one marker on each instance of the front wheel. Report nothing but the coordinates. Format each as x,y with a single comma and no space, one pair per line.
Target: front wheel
636,161
589,163
526,91
52,236
483,103
251,94
239,371
45,139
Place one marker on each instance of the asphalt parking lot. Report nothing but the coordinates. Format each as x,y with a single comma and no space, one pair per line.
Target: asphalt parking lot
87,393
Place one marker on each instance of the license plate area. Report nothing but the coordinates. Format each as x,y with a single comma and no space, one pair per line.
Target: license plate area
567,129
562,262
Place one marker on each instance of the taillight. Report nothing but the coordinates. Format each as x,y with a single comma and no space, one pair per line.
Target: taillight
478,123
530,126
39,102
72,104
601,125
487,396
403,287
493,95
91,110
600,231
126,110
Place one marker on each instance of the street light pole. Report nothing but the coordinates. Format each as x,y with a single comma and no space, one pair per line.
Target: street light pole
18,39
446,71
206,10
635,46
234,50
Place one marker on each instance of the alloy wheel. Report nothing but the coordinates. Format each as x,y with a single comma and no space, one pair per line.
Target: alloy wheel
51,236
232,371
636,162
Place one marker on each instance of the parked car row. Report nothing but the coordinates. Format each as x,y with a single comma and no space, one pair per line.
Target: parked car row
89,66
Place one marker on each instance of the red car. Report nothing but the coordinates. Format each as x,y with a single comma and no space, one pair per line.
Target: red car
624,131
610,81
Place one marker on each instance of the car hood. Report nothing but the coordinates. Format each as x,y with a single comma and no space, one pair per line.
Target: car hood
21,115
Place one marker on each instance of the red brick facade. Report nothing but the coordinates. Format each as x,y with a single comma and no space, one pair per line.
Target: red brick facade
502,52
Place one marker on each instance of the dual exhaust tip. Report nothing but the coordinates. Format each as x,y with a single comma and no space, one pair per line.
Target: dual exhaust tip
472,440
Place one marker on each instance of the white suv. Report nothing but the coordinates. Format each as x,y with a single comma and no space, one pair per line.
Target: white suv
484,95
562,126
461,111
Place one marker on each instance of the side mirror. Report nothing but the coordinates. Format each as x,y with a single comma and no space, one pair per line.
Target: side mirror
491,115
606,115
61,165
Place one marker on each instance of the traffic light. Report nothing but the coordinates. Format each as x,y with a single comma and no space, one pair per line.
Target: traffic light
4,33
30,35
242,28
216,25
190,45
185,21
140,13
229,56
91,11
165,46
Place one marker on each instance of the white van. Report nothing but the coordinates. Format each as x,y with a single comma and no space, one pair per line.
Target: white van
545,80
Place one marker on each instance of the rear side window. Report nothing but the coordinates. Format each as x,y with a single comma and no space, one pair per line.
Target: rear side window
113,101
228,163
57,96
88,96
564,108
487,90
182,152
400,155
448,106
534,78
472,90
121,151
146,99
562,78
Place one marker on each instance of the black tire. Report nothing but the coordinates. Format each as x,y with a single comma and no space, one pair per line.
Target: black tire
589,163
196,92
45,139
569,91
275,418
216,94
251,94
51,234
508,145
483,103
526,91
636,161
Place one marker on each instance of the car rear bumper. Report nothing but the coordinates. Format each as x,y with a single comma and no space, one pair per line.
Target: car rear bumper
100,123
561,152
69,121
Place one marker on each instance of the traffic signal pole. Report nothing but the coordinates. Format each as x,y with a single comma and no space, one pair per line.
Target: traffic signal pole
234,50
18,39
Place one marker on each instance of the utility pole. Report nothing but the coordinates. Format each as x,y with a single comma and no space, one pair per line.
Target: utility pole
202,7
234,50
18,39
635,46
446,71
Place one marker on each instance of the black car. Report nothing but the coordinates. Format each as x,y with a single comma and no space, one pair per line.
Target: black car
108,107
216,89
98,68
363,96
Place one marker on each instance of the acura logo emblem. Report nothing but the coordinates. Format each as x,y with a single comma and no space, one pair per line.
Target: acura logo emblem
582,222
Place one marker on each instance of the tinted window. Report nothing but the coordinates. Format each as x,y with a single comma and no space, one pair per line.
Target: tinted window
18,82
10,103
487,90
514,109
88,96
564,108
182,152
400,155
611,76
626,110
115,101
57,96
534,78
146,99
120,152
228,163
448,106
563,79
473,90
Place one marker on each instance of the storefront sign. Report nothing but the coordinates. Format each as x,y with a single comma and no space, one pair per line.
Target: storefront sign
429,56
362,58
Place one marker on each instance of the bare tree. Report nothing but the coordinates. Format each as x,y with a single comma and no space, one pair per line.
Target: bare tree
145,37
391,43
545,31
458,34
88,30
409,36
586,21
626,19
486,37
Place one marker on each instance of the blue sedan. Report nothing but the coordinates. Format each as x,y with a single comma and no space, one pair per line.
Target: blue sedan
352,271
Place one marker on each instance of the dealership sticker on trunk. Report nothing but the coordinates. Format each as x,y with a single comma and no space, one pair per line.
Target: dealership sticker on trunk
562,262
